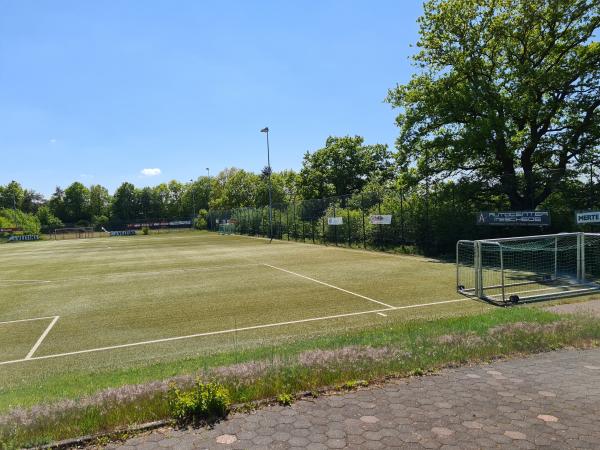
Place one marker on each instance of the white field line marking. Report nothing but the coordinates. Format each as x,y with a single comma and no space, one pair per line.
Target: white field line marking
382,314
41,338
27,320
26,281
232,330
330,285
549,289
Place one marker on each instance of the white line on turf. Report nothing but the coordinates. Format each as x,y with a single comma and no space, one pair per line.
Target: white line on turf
27,320
329,285
549,289
382,314
232,330
41,338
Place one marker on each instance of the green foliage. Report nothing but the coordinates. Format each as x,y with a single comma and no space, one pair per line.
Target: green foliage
203,402
28,222
77,203
124,205
507,95
200,221
48,221
100,221
285,399
343,166
354,384
145,231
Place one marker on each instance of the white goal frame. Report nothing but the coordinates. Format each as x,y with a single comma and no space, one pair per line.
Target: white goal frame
74,232
550,266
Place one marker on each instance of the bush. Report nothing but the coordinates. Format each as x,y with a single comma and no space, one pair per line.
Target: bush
48,221
145,231
200,221
204,402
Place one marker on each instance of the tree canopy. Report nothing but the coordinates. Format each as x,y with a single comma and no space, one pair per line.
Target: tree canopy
507,93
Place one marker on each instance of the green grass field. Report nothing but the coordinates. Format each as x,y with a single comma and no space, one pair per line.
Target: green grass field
123,302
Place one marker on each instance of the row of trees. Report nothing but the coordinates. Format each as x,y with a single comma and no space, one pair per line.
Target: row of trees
344,165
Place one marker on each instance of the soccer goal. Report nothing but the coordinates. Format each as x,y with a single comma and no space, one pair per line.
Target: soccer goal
226,228
511,270
73,233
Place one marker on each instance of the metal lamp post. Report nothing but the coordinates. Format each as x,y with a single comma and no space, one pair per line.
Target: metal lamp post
266,130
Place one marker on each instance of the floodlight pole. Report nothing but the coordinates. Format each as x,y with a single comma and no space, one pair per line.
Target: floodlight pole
266,130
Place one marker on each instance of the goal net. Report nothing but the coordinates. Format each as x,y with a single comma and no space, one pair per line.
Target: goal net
73,233
528,268
226,228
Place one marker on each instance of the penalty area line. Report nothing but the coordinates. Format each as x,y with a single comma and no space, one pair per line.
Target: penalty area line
27,320
232,330
41,338
330,285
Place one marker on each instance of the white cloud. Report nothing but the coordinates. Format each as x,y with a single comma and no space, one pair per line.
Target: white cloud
53,141
150,172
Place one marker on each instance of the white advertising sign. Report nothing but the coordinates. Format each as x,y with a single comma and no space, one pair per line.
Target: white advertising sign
378,219
588,217
335,221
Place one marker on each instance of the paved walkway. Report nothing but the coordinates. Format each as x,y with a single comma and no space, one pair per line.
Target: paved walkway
546,401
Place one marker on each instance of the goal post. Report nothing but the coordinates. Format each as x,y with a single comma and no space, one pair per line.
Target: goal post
528,268
227,228
73,233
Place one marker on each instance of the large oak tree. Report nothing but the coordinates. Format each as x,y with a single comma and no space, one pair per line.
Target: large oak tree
507,93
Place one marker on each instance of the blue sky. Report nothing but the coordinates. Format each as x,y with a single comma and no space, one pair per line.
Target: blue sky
97,91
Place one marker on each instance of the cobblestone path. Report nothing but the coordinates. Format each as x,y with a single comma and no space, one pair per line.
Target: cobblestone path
544,401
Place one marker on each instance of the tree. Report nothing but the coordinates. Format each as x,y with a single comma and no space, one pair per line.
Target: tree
508,94
343,166
234,188
77,203
99,201
32,201
48,221
196,195
57,203
125,203
11,195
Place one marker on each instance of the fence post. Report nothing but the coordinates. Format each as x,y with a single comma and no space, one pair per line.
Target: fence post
294,219
335,227
362,210
349,227
280,229
380,226
402,217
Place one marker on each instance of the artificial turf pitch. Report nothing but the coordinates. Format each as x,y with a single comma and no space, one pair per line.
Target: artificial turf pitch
124,301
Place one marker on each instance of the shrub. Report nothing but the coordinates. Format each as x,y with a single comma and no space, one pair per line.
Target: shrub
145,231
204,402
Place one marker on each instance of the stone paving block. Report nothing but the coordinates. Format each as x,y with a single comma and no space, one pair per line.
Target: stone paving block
545,401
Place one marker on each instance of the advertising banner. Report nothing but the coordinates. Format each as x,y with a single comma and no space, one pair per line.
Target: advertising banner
512,218
584,217
378,219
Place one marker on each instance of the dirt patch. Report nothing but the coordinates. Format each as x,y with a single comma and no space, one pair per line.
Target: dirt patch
590,308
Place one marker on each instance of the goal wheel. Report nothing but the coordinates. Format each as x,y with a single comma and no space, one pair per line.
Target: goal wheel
461,287
514,299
